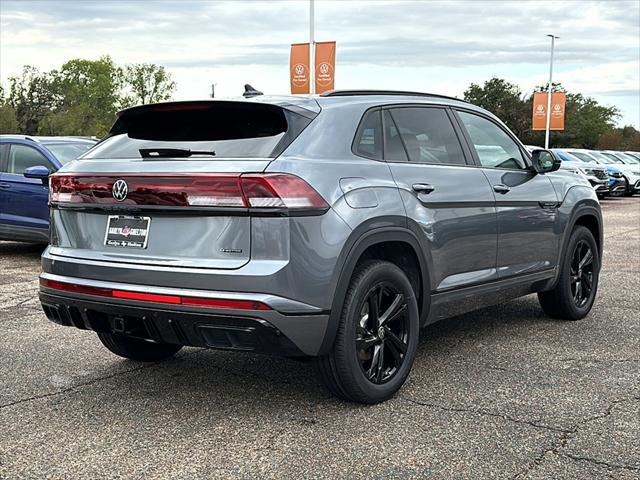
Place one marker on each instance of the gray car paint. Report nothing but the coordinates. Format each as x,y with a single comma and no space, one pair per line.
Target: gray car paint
477,247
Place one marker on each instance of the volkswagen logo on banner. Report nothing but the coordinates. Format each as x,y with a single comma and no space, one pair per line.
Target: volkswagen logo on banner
120,190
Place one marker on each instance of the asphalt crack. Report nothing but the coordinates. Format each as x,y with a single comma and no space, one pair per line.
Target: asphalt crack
486,413
563,439
602,463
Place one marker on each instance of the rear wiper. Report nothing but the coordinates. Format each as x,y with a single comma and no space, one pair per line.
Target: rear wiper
172,152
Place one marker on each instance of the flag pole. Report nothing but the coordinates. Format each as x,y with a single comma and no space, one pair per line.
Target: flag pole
546,134
312,51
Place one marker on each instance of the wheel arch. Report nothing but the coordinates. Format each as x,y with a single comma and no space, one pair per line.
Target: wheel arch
362,248
589,216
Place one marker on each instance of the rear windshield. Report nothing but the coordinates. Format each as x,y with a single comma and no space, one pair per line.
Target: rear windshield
224,129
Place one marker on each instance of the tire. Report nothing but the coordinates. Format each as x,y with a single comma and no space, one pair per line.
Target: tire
353,370
137,349
562,302
628,189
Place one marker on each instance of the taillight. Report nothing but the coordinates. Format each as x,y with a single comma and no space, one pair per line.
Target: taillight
254,191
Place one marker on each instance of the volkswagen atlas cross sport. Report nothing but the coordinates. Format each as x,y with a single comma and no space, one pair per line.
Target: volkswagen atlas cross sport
331,227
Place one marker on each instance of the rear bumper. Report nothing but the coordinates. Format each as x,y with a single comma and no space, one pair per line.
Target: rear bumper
264,331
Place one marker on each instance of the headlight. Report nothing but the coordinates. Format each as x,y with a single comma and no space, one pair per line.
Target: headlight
587,171
615,174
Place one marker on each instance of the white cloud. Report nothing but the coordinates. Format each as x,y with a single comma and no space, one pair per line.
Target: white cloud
431,46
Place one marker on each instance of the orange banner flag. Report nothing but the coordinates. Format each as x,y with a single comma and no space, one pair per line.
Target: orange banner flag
558,102
325,63
299,68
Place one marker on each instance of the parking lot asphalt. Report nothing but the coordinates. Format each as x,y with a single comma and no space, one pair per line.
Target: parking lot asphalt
504,392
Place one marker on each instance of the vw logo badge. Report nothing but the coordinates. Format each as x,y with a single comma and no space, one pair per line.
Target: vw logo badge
120,190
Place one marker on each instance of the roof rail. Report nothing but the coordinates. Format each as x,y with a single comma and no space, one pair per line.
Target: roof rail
353,93
20,136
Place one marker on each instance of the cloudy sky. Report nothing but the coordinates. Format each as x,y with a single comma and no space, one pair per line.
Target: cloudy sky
432,46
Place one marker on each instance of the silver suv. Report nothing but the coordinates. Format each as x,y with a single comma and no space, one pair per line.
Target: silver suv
330,227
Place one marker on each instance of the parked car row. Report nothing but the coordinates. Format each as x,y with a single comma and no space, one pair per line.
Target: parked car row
609,172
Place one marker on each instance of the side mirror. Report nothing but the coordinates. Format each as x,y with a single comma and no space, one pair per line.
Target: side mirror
545,161
38,171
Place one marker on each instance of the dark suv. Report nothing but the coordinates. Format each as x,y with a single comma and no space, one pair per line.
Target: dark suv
330,227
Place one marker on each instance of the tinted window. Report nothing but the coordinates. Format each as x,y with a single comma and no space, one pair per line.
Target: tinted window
393,148
230,129
369,140
428,135
65,152
22,157
494,147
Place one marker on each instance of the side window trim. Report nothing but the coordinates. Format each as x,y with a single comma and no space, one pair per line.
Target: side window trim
384,134
525,155
47,162
462,140
467,153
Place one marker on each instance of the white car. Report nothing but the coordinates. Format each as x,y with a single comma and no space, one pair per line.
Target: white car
630,172
629,166
596,174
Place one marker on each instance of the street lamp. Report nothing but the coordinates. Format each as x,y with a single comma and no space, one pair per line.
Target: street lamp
546,135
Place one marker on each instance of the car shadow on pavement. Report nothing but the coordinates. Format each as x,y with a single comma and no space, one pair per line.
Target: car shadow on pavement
217,376
21,250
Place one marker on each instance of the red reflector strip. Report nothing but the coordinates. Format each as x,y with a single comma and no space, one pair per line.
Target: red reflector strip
146,297
155,298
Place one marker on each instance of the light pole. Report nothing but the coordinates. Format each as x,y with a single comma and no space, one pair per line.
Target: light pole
312,51
546,134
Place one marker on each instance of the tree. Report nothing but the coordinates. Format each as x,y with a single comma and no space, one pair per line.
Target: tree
585,119
8,120
626,138
31,99
88,94
503,99
147,83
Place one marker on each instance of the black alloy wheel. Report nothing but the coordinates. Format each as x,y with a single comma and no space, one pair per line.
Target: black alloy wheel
382,333
581,273
573,295
377,337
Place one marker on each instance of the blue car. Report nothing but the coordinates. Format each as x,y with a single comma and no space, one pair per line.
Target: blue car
25,164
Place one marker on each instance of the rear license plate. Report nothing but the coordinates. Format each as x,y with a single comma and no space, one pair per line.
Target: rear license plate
127,232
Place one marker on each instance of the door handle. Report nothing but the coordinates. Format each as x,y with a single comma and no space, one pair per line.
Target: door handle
5,185
501,188
423,188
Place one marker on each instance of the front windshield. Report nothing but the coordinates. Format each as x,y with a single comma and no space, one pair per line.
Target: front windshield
614,158
585,157
567,157
605,158
628,158
65,152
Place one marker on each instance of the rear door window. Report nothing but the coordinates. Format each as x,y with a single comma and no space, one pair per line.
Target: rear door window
428,135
